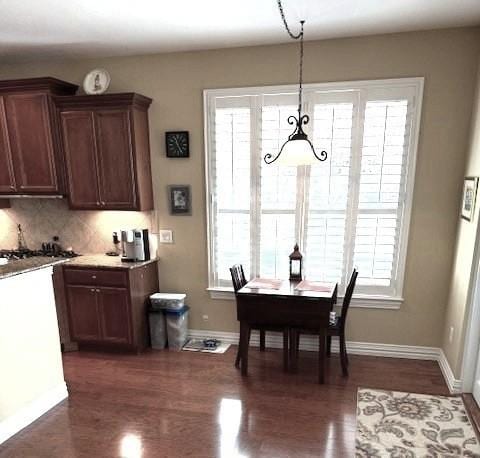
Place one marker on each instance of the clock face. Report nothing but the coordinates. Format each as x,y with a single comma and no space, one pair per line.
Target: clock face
177,144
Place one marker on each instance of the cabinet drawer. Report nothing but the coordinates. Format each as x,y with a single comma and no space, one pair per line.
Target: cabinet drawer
96,277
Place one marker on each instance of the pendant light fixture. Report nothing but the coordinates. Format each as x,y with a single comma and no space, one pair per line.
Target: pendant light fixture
298,149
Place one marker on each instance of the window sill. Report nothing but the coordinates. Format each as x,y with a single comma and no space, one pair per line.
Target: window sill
368,302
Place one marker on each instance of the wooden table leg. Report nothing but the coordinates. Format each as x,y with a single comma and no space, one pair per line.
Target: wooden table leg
321,356
285,349
293,350
244,343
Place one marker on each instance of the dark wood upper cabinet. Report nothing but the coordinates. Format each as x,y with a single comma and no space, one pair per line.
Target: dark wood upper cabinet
81,159
107,151
30,155
115,158
7,178
31,140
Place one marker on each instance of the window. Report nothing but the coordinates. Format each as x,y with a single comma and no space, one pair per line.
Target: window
350,211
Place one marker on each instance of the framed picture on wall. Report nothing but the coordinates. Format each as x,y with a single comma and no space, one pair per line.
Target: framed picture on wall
470,185
180,199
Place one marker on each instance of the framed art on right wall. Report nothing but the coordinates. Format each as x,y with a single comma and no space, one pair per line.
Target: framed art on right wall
470,185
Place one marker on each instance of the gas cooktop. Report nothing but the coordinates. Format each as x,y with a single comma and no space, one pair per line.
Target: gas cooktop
23,254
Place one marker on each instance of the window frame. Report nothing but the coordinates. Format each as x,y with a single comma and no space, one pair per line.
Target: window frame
415,83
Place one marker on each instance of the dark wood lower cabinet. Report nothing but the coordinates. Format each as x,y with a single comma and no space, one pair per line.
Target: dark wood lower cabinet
107,308
114,314
83,313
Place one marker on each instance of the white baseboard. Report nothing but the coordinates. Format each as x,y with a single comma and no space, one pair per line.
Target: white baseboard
454,385
35,409
310,343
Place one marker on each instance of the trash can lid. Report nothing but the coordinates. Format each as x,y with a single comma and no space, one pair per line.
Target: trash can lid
169,296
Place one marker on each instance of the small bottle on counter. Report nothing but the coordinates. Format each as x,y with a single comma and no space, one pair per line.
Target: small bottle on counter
116,245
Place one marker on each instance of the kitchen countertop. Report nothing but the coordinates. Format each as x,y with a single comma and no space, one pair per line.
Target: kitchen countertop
21,266
102,260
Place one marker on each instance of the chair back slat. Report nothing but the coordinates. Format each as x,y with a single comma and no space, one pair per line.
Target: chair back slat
238,277
347,298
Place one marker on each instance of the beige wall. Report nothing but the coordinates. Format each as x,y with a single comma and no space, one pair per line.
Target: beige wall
463,268
447,59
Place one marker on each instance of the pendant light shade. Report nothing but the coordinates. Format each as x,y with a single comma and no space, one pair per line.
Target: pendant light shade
296,152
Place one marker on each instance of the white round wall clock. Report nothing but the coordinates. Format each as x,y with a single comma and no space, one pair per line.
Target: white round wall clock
96,81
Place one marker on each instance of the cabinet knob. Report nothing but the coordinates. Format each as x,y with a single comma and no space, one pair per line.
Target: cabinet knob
97,290
94,277
103,203
92,290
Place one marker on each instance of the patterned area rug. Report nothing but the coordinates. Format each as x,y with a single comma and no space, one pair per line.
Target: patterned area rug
406,425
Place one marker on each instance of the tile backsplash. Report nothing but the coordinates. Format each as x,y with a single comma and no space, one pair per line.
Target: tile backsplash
84,231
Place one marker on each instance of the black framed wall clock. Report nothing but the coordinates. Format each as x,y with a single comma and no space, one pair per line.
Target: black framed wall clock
177,144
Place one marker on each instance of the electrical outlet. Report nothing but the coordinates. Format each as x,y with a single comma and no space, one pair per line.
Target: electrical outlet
450,335
205,317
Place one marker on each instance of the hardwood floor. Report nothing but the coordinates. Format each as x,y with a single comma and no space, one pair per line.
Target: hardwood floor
473,411
165,404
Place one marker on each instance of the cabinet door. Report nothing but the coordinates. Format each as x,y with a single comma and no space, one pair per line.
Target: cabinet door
114,311
115,159
31,142
83,313
7,179
80,155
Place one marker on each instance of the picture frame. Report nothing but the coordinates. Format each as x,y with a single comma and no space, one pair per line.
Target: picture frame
179,197
177,144
470,185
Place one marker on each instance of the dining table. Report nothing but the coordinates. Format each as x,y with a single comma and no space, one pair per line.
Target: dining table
291,304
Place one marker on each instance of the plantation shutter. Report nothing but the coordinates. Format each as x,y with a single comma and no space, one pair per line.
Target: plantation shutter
278,188
326,234
380,220
230,194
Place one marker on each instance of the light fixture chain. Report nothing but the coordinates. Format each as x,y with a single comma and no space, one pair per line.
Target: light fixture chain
301,72
295,37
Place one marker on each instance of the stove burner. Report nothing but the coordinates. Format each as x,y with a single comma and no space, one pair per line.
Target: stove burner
23,254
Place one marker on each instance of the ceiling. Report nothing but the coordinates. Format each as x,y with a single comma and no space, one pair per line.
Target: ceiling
40,29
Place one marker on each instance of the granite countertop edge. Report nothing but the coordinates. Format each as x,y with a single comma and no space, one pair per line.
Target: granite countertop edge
107,262
99,261
23,266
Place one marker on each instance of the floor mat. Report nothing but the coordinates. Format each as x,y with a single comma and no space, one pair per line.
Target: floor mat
198,345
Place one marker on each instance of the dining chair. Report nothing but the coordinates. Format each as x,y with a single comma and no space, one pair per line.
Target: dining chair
239,281
338,327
